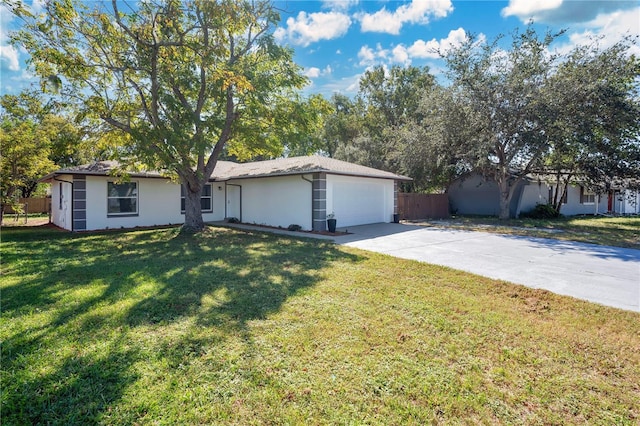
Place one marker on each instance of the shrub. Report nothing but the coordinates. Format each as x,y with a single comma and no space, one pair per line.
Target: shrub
294,227
541,211
233,220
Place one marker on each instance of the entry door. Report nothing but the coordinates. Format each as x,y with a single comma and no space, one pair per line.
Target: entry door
233,201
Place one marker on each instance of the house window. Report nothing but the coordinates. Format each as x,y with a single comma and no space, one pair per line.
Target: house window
60,196
206,203
564,196
122,199
586,196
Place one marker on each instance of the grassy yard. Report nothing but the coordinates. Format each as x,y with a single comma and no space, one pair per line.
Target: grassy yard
611,231
230,327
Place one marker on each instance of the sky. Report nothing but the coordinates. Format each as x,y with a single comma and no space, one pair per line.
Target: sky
337,41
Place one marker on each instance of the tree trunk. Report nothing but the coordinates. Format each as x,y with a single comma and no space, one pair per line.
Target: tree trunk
193,221
505,194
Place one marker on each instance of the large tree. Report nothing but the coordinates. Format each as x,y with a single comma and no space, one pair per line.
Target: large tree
501,91
178,78
34,141
592,116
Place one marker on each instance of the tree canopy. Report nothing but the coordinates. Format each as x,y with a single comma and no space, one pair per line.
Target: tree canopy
179,79
35,140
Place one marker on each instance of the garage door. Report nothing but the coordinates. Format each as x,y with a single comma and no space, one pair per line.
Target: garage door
358,203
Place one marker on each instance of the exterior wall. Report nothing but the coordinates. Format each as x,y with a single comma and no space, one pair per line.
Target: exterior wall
276,201
533,194
158,204
574,207
61,209
626,202
473,194
359,201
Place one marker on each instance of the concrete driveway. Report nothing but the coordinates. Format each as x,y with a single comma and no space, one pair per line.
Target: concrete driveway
601,274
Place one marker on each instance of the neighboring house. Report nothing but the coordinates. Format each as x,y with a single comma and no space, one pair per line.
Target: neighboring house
474,194
296,190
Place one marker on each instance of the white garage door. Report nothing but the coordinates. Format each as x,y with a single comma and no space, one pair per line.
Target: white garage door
358,202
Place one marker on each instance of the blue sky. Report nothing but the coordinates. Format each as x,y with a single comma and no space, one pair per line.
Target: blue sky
337,41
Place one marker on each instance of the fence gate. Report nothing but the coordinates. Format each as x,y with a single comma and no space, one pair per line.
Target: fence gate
423,206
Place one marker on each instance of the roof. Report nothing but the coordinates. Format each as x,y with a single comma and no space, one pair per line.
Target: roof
227,170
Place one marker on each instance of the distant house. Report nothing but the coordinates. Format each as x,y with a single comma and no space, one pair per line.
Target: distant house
474,194
297,190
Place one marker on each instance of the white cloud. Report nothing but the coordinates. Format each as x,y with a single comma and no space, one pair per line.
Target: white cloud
527,9
315,72
400,55
433,47
416,12
9,56
307,28
611,27
559,12
366,55
312,72
37,6
339,4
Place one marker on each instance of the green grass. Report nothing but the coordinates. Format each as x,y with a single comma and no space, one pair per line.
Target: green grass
611,231
230,327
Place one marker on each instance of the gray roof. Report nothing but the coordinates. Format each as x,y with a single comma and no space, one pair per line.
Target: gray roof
227,170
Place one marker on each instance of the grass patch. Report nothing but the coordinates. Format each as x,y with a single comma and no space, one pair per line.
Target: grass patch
610,231
236,327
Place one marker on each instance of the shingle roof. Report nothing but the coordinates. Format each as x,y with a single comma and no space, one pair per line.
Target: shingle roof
303,165
226,170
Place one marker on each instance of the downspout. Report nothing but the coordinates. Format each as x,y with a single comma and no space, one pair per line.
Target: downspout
71,183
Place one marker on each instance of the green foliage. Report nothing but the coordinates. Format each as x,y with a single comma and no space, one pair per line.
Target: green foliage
294,227
35,140
366,130
179,79
541,211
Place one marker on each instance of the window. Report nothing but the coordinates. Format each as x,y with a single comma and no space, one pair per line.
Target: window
564,196
122,199
205,199
60,196
586,196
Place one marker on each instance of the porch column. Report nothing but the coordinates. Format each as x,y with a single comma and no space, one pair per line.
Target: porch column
79,208
319,202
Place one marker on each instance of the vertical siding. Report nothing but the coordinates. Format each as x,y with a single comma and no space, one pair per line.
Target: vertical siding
61,214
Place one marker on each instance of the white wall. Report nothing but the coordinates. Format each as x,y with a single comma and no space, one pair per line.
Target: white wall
158,204
359,201
275,201
627,202
61,215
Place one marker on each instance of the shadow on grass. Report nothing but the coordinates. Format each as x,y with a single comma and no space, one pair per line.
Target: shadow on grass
71,301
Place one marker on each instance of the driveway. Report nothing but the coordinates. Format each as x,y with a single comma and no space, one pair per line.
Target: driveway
601,274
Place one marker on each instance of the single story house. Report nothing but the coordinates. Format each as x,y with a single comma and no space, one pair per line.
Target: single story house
472,193
282,192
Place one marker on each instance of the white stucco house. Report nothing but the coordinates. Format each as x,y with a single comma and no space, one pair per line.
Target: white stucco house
282,192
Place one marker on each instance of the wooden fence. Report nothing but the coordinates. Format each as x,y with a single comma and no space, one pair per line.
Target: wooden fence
423,206
32,205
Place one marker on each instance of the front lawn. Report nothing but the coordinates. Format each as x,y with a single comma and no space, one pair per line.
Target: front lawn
233,327
612,231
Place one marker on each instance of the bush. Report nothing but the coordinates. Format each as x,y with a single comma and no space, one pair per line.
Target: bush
541,211
294,227
233,220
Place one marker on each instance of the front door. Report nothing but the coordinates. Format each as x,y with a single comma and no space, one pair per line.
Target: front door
234,193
